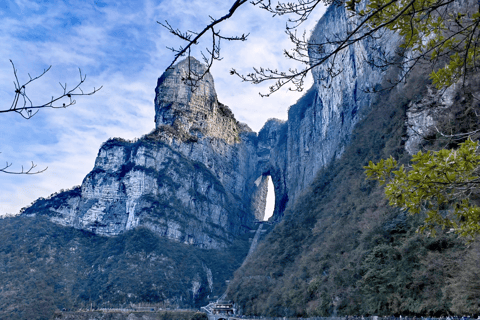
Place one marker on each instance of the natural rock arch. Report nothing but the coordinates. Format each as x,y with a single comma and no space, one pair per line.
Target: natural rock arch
271,162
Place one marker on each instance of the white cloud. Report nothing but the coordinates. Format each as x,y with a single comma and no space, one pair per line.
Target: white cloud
121,47
27,4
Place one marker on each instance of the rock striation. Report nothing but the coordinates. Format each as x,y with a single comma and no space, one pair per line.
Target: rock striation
320,124
200,176
198,181
190,180
431,115
192,109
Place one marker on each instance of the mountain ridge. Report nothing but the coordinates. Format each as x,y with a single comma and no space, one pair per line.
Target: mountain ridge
173,212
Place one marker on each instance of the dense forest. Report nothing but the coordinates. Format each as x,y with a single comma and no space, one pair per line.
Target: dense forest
47,268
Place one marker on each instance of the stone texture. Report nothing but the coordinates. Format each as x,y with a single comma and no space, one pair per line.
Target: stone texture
190,180
320,124
200,176
191,108
424,114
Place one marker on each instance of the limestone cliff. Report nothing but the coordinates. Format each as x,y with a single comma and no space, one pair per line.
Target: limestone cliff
195,185
199,178
192,109
193,182
320,124
190,180
339,248
430,116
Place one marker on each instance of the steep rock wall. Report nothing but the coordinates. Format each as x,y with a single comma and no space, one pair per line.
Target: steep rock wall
200,177
320,124
190,180
195,178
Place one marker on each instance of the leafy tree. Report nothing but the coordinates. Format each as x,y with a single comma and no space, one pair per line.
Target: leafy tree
443,183
430,29
464,287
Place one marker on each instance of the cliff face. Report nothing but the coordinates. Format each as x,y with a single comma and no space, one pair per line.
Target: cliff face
191,187
199,181
319,131
191,108
190,180
320,124
339,248
200,176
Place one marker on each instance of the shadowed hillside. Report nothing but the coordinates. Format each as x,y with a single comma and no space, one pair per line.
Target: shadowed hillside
47,267
341,250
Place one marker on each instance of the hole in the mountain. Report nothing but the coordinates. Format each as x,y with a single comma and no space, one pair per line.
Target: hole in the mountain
270,206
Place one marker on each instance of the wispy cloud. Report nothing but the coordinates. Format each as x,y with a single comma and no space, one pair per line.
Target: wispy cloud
118,45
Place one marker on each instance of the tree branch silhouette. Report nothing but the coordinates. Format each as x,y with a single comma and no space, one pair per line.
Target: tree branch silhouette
192,38
27,108
23,104
414,20
4,169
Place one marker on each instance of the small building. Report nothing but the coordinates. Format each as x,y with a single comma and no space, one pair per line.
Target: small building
223,308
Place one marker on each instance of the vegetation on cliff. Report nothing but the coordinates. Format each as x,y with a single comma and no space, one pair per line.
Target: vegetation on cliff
341,250
47,267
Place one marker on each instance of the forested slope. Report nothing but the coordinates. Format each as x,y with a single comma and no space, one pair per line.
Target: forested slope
341,250
47,268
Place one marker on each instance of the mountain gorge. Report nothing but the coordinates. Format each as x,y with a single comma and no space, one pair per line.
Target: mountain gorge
169,217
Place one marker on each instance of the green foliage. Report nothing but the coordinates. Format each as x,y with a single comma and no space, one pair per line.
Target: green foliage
342,250
464,287
407,274
46,267
430,28
441,183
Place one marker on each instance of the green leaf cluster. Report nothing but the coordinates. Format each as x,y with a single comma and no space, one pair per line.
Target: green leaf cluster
442,184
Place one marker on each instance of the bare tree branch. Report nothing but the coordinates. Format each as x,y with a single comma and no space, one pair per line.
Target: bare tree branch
364,28
29,171
300,10
23,104
192,38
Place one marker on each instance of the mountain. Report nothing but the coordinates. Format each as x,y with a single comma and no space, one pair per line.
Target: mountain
165,218
189,180
168,218
340,249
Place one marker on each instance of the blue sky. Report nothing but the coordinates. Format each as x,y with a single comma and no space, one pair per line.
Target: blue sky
118,45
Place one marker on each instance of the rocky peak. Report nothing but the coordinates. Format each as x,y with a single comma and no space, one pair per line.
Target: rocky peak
192,108
190,181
